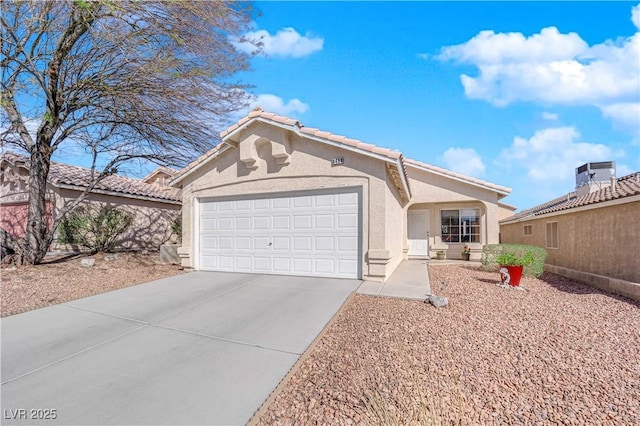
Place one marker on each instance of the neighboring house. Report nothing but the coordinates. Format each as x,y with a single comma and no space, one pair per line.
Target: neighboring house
277,197
155,206
590,234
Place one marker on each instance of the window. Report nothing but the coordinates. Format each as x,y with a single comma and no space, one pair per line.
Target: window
527,230
460,226
552,235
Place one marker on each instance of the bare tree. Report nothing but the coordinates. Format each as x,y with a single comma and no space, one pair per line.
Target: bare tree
122,79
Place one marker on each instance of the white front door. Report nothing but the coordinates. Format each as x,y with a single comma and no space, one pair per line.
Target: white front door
309,234
418,233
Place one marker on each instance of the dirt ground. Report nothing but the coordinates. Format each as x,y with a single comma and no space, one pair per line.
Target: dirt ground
63,278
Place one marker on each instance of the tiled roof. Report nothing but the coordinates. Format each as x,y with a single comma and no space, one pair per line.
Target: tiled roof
162,169
296,126
64,174
626,186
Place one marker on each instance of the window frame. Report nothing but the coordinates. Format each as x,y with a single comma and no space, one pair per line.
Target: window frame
551,229
477,225
526,228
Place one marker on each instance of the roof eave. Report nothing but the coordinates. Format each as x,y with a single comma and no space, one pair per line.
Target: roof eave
174,182
116,193
502,192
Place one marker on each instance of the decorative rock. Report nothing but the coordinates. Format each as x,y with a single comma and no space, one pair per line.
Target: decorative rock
110,256
88,262
438,301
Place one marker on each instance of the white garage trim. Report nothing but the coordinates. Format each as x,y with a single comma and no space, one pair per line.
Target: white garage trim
306,233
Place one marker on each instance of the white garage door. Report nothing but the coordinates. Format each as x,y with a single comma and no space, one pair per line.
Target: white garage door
314,234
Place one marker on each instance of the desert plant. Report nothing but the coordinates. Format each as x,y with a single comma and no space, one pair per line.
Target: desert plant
510,259
176,227
535,257
97,229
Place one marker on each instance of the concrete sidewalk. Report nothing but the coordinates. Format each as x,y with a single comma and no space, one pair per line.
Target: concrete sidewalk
409,281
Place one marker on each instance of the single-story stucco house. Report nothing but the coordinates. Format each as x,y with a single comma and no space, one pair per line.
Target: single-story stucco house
277,197
590,234
154,205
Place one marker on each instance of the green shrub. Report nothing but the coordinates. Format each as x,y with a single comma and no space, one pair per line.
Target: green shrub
531,257
97,229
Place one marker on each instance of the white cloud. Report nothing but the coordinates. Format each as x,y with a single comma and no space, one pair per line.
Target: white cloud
625,114
272,103
549,116
551,155
552,68
464,160
276,104
287,42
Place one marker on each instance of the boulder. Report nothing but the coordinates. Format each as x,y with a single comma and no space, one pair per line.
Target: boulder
438,301
87,262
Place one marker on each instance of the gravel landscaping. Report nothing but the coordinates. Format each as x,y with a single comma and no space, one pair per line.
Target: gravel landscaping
62,279
556,352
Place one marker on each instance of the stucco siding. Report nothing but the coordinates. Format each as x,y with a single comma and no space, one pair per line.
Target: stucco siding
437,193
308,168
601,241
151,226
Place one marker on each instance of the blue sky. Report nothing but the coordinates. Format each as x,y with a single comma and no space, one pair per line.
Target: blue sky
516,93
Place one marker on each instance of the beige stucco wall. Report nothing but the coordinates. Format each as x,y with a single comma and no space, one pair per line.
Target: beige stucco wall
151,226
152,220
309,167
435,193
600,240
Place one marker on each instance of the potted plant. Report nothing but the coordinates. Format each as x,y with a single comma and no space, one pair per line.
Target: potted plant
466,252
440,255
511,266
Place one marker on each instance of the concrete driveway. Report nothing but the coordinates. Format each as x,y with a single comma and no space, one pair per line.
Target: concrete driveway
200,348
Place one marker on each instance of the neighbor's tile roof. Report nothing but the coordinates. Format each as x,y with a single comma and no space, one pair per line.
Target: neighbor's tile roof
64,174
162,169
626,186
295,125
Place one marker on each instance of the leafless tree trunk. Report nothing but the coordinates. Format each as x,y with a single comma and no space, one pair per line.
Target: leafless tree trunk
120,80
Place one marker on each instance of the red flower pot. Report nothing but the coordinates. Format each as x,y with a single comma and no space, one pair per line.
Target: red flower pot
511,274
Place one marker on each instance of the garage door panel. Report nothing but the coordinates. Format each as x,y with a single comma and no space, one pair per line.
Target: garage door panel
281,222
303,265
281,264
349,199
226,243
302,221
325,200
325,243
310,234
325,221
348,244
261,222
243,243
347,221
244,263
281,243
347,267
244,223
301,244
325,266
225,224
209,262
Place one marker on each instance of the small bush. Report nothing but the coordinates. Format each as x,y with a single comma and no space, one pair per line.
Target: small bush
535,256
97,229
